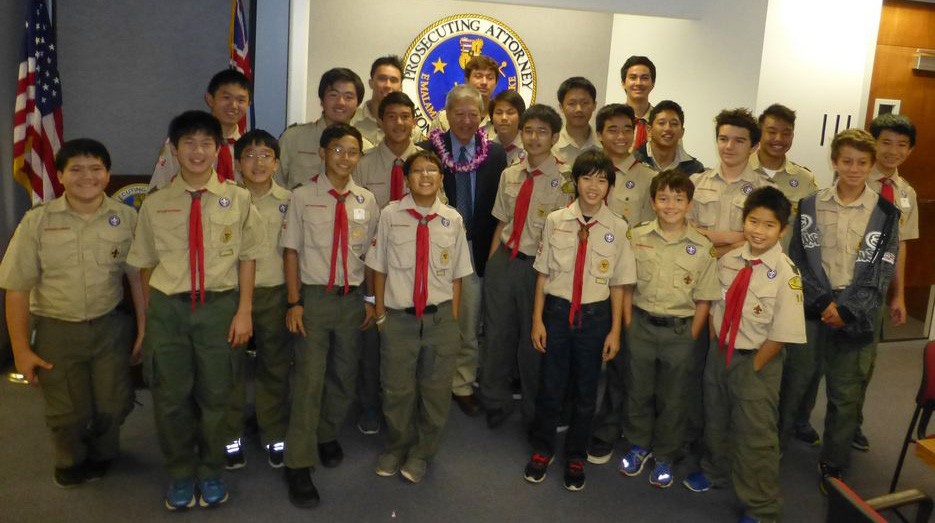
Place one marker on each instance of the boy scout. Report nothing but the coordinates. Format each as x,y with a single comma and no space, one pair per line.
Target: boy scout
630,195
386,76
638,76
196,242
63,272
481,73
846,245
777,125
505,111
528,192
664,149
327,232
577,98
583,263
228,96
418,257
257,153
340,91
676,281
761,311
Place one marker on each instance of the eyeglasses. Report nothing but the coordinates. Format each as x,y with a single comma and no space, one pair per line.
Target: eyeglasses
342,151
425,172
259,158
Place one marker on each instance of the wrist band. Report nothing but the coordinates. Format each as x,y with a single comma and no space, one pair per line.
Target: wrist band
372,300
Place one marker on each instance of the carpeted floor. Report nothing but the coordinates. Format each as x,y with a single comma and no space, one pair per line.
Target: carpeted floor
476,477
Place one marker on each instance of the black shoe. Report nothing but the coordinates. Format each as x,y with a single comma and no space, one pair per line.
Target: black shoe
276,452
496,417
233,455
69,477
468,404
302,492
330,453
599,451
861,442
95,469
808,435
516,389
827,471
537,467
574,475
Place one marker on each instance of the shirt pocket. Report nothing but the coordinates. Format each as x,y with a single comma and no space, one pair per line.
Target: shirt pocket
736,211
686,273
828,228
225,230
58,249
645,264
706,203
602,260
318,225
113,246
441,255
855,238
402,249
170,232
759,308
562,253
274,230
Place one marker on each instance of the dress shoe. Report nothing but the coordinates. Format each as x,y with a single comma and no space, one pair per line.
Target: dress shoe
468,404
302,492
330,453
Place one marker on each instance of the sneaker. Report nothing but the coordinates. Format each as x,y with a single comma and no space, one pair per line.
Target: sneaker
536,468
574,475
330,453
808,435
387,465
827,470
276,453
69,477
94,470
414,469
860,441
233,454
634,460
369,422
213,492
748,519
302,491
697,482
599,451
661,476
181,494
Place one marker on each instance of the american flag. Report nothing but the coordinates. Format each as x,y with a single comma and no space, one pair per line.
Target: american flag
239,43
37,121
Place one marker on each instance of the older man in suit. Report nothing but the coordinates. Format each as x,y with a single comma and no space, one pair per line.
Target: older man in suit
472,166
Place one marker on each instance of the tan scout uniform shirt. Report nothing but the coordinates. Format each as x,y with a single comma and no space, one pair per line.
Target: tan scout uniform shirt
167,165
309,230
394,252
718,204
374,169
272,207
672,274
547,196
369,127
517,153
567,149
298,156
841,228
441,122
608,260
74,267
629,195
795,181
233,231
772,309
905,200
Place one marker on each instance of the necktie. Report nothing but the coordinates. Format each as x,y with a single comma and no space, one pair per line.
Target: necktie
339,239
196,247
639,136
887,190
226,161
464,198
578,283
420,287
520,211
397,180
733,307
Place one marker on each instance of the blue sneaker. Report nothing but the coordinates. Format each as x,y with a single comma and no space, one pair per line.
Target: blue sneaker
181,494
213,492
747,519
661,475
634,460
697,482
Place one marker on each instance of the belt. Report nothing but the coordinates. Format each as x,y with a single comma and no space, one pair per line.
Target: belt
663,321
337,289
519,254
429,309
209,296
745,352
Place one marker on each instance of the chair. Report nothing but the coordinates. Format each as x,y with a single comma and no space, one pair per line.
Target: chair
925,405
844,506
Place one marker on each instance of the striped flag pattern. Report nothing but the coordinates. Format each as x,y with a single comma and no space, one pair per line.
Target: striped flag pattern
239,44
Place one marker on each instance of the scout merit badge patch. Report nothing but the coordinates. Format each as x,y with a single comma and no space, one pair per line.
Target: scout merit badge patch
114,220
227,234
132,194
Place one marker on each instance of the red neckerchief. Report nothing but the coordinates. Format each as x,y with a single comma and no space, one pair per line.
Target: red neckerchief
196,247
733,307
420,287
520,211
583,234
339,239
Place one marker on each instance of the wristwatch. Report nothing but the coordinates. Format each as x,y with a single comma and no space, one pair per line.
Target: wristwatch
299,303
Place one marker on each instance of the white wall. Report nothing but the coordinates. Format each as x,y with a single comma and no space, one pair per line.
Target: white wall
705,65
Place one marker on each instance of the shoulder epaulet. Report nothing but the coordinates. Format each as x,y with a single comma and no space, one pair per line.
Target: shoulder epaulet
34,207
293,124
153,190
296,186
643,224
800,166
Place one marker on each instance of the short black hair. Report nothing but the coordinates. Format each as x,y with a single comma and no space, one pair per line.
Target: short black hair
591,161
543,113
510,97
336,131
612,111
227,77
191,122
340,74
391,60
395,98
638,60
81,147
897,123
667,105
740,117
674,180
779,112
424,154
769,198
256,137
576,82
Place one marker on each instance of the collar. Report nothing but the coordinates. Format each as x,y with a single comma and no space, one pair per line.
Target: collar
275,191
388,156
549,167
408,203
656,229
748,174
363,112
604,216
565,139
681,155
456,144
323,185
876,175
645,116
213,185
867,199
60,204
626,164
754,163
769,258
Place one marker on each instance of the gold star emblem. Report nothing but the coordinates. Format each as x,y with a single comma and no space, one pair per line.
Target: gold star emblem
439,66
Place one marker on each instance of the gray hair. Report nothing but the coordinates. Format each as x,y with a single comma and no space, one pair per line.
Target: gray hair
464,92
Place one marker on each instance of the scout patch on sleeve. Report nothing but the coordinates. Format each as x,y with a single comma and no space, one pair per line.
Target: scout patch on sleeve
568,187
629,234
795,283
713,252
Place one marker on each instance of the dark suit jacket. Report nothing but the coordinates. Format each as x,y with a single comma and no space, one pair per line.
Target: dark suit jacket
485,193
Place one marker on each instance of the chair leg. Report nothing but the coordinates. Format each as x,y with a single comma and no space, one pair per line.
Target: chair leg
902,452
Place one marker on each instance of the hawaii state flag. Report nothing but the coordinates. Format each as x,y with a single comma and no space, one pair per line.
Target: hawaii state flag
239,44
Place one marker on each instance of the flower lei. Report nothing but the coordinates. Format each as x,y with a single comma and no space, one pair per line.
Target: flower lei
482,148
